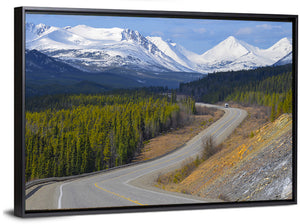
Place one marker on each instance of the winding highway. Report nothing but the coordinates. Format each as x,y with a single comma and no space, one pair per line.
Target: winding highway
133,185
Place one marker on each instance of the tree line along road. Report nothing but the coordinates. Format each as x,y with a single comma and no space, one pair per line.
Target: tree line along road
132,185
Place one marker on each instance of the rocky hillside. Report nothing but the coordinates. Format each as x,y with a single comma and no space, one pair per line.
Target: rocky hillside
259,169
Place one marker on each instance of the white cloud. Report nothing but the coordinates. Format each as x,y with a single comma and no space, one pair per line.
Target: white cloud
244,31
257,28
267,26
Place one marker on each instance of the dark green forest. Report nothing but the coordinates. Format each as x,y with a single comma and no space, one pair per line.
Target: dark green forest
74,134
216,87
268,86
274,92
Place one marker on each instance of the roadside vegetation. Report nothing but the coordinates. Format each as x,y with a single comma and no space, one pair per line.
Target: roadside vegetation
209,148
178,175
191,164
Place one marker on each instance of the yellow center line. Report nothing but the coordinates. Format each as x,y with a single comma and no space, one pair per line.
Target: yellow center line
224,124
121,196
135,171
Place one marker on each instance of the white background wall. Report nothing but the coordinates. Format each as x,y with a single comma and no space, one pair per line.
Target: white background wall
272,215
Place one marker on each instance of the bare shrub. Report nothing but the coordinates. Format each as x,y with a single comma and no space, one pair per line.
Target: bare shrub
209,147
176,176
190,164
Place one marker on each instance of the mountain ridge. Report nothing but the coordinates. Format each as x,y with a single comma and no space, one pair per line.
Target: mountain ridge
99,49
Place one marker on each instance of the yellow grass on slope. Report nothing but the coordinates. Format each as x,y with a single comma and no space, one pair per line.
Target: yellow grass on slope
207,180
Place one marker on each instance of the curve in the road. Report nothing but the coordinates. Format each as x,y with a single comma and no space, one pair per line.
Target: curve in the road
115,188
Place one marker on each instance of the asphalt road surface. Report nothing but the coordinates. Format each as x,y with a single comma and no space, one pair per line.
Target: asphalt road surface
132,185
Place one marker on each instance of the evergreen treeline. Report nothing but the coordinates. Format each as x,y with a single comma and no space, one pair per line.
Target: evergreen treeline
274,92
66,101
69,135
216,87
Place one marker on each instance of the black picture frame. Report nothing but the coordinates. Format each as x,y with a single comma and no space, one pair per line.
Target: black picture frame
19,105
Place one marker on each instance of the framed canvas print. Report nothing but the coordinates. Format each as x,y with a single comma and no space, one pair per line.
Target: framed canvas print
132,111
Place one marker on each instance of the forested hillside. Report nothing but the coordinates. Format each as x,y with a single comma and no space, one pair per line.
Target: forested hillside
270,87
274,92
69,135
216,87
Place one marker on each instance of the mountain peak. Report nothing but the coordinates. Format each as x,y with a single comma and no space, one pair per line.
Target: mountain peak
231,41
280,48
33,27
34,31
227,50
129,34
283,44
231,38
284,41
42,25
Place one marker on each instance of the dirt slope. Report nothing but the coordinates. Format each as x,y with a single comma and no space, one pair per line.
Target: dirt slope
259,169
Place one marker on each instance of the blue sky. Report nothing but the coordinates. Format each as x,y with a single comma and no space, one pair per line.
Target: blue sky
194,34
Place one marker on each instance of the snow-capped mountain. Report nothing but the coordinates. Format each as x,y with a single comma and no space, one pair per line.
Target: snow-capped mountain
99,49
226,51
234,54
174,51
283,46
36,31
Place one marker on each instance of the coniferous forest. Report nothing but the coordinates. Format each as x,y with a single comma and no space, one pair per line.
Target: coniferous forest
274,92
74,134
215,87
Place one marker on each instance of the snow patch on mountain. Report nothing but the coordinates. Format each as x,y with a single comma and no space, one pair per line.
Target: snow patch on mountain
286,60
